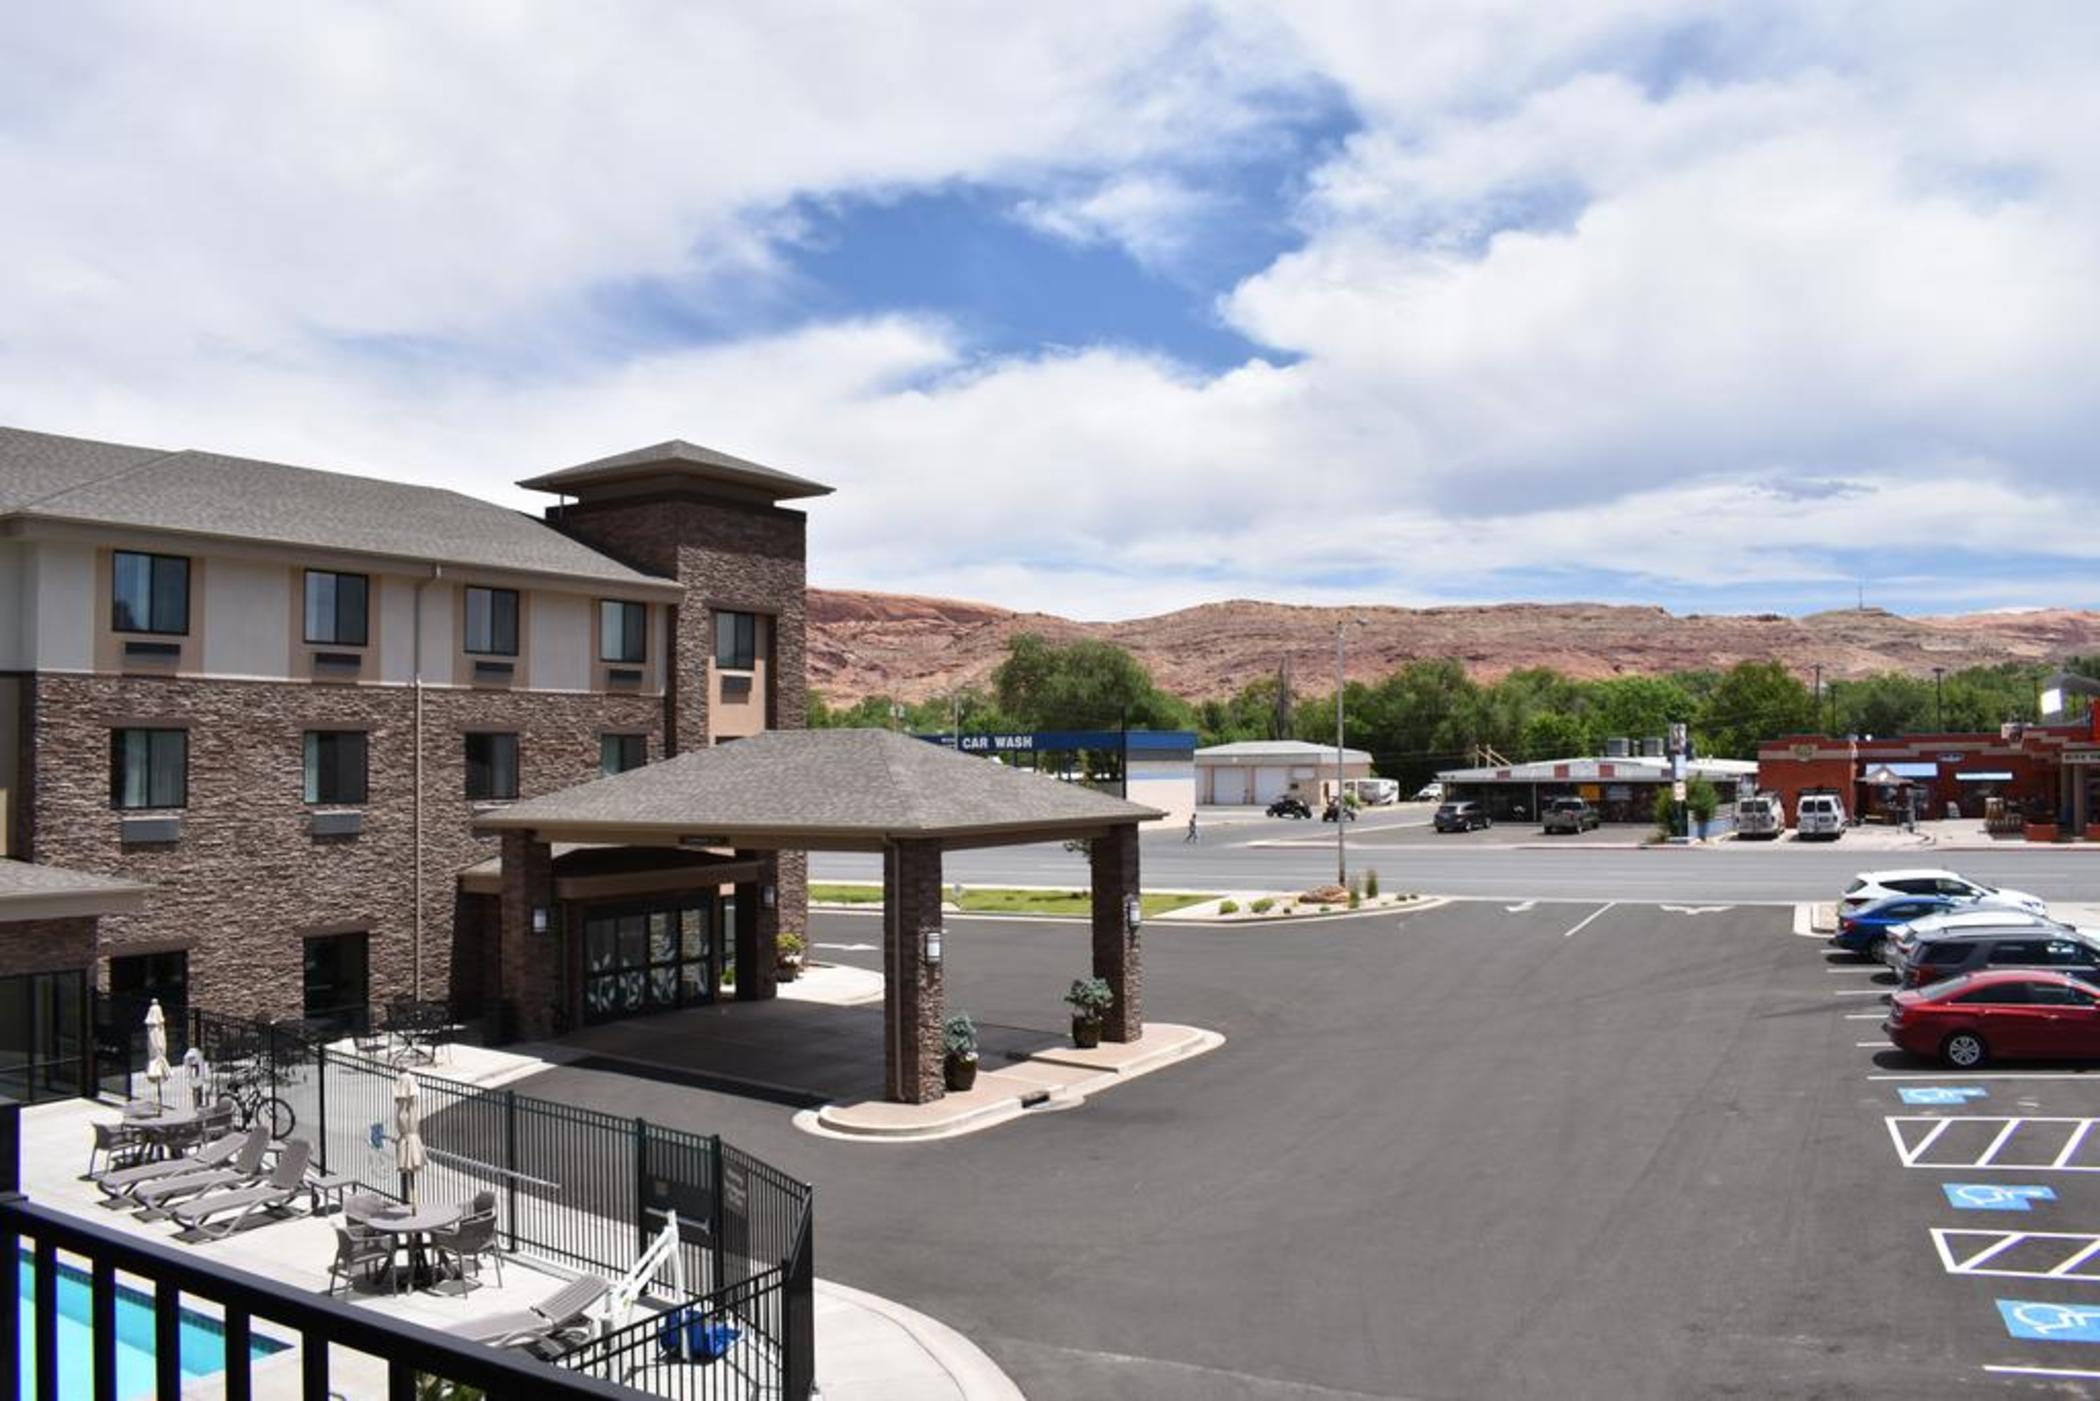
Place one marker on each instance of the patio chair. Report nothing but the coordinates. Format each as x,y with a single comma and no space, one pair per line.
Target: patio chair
546,1328
118,1183
216,1215
472,1238
245,1168
358,1250
118,1145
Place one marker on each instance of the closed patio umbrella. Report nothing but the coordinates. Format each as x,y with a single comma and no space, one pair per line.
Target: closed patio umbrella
408,1135
157,1068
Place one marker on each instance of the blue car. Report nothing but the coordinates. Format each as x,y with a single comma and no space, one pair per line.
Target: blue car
1865,931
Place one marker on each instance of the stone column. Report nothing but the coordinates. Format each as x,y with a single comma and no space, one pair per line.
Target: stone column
757,929
911,986
528,964
1117,957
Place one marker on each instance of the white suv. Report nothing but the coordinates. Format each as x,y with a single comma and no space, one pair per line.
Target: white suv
1869,886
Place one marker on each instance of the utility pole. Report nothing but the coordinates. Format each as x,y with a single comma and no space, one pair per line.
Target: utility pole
1939,705
1818,710
1280,718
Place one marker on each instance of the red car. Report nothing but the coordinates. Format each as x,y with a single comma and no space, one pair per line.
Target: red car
2012,1014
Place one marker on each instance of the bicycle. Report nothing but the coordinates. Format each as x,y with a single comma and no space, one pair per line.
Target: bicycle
253,1103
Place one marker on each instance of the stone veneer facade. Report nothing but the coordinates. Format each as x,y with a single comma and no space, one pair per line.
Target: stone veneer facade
46,945
725,554
246,882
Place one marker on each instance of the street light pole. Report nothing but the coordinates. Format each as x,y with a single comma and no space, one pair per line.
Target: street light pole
1341,809
1939,708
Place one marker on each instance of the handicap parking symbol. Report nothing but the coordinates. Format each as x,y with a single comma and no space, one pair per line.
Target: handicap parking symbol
1987,1196
1941,1094
2050,1323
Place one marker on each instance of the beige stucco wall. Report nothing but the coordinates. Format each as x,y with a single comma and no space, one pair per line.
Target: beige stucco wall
64,606
564,641
249,629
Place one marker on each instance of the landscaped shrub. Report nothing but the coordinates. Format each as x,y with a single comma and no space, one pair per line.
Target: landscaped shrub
1263,905
1371,883
1229,907
1355,898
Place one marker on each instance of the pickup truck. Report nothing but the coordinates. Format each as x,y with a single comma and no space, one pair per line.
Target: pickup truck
1569,815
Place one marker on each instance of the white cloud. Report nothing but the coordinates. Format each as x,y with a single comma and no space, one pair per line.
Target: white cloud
1595,288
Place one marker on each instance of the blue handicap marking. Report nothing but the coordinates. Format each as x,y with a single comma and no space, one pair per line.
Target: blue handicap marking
376,1136
1941,1094
2050,1323
1986,1196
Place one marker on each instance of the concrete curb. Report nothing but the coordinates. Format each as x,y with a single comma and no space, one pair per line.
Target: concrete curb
837,1121
975,1375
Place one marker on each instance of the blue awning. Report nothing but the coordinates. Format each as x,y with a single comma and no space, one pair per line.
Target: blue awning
1995,776
1914,770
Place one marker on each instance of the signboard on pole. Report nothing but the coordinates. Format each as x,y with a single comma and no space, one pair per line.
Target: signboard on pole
1677,790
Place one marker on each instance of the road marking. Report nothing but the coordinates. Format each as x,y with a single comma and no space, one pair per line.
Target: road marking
1698,909
2009,1127
1857,992
1984,1074
1521,908
1864,1016
2071,1147
1941,1094
2000,1242
848,948
2037,1371
1990,1196
1882,1045
1586,922
2056,1323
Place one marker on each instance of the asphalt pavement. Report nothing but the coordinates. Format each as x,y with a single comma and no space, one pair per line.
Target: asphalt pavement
1242,857
1547,1149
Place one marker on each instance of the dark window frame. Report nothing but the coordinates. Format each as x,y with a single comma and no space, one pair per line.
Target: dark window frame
743,640
119,747
149,625
632,648
323,775
364,612
495,638
488,769
608,742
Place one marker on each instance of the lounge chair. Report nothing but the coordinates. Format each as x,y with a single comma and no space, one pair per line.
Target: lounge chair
544,1327
286,1180
122,1182
244,1170
358,1250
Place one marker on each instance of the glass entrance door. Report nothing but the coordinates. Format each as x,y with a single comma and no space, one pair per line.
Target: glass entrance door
647,957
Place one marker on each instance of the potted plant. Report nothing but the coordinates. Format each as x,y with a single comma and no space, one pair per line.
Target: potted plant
1089,1000
959,1051
787,956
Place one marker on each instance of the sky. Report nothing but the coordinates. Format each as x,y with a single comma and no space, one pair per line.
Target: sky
1107,309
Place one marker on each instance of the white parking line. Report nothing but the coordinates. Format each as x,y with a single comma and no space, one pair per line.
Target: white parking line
1864,1016
1857,992
1586,921
2073,1250
1988,1075
1882,1045
2039,1371
2008,1126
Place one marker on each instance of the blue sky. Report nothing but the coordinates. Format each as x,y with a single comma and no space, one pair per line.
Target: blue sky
1115,308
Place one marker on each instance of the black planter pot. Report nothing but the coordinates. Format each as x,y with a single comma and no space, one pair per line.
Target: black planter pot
1086,1032
960,1072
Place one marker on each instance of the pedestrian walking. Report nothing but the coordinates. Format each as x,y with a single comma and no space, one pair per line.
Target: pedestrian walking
1192,828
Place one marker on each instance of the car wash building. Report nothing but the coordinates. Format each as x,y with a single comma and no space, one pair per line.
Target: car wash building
1258,772
1153,767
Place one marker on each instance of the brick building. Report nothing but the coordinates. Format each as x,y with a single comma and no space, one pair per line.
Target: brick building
2049,773
280,698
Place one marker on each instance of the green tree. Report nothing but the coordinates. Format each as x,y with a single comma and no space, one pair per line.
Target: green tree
1554,734
1886,704
1085,684
1753,702
1702,800
1637,707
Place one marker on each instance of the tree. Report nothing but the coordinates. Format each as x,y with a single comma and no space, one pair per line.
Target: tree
1702,800
1887,704
1637,707
1554,734
1085,684
1753,702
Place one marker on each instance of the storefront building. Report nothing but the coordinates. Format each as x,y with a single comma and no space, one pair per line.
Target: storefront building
1621,788
2043,778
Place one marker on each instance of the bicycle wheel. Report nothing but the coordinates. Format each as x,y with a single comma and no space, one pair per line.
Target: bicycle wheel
281,1118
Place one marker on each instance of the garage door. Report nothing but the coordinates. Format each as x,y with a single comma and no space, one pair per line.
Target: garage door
1271,784
1228,786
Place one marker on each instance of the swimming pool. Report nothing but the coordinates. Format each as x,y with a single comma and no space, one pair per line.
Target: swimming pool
203,1340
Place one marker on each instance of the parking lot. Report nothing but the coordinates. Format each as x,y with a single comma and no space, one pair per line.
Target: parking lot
1523,1148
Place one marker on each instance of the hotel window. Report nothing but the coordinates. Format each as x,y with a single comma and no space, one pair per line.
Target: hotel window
335,766
619,753
335,608
736,641
623,631
149,768
492,621
492,766
149,593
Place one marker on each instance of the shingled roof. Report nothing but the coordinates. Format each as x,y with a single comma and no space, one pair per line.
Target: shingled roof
32,891
819,788
688,461
203,493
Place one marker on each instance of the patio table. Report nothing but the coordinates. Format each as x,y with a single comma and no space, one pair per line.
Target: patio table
411,1228
158,1125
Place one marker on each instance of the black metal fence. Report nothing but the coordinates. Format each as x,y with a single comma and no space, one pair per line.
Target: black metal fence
576,1186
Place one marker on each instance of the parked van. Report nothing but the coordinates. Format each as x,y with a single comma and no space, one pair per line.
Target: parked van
1819,817
1759,818
1375,792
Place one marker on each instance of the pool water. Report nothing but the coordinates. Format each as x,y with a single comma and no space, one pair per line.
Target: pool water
203,1341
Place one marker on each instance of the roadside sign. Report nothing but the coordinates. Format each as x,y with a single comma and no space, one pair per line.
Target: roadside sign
1941,1094
1677,790
1989,1196
2050,1323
